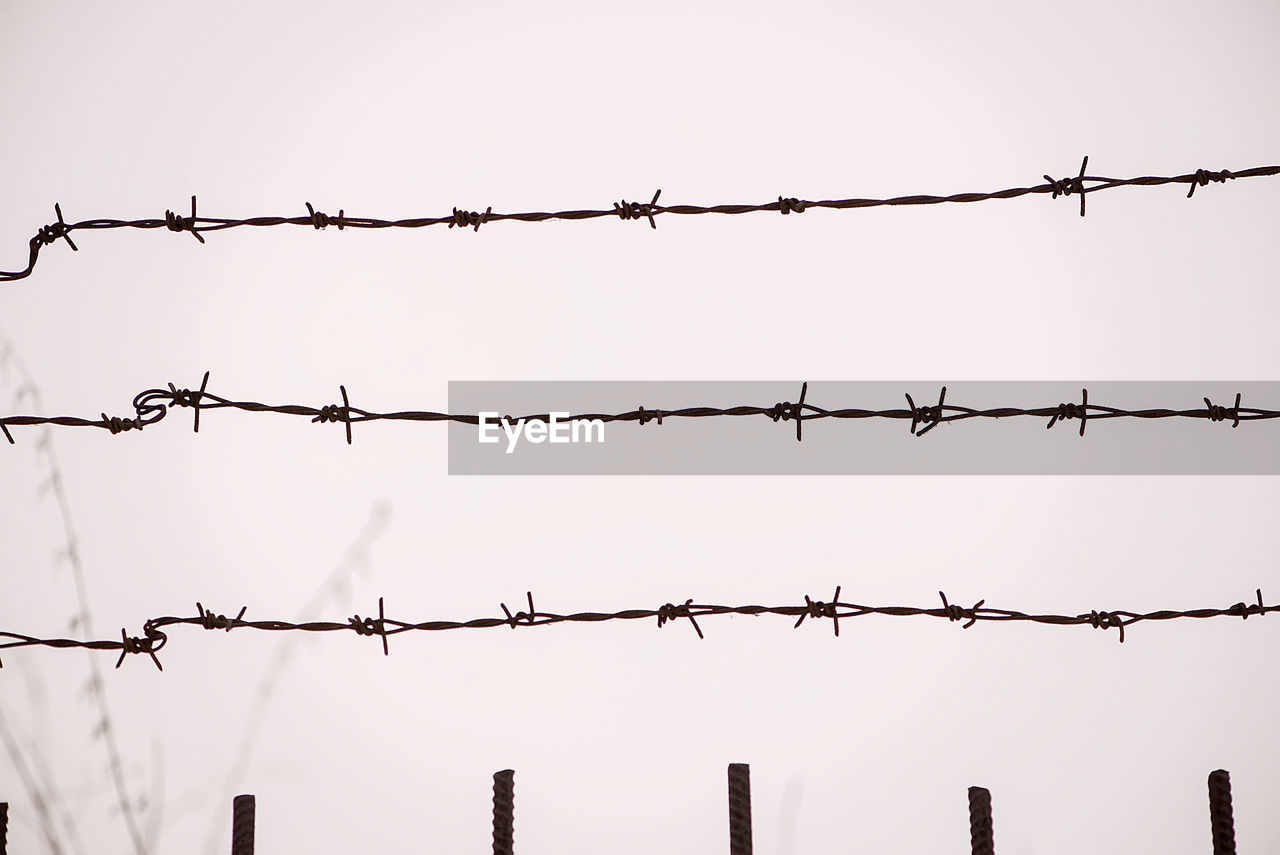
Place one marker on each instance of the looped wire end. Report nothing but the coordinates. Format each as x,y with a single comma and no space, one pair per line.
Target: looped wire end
177,223
670,611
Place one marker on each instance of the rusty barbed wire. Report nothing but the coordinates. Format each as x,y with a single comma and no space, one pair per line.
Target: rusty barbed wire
152,405
154,638
197,226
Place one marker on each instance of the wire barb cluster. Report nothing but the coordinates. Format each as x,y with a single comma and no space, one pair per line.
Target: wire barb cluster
152,405
1078,185
153,637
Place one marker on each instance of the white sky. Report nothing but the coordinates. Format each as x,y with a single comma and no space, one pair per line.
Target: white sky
620,733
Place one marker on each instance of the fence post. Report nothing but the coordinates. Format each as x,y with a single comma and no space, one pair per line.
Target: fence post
1220,817
4,827
739,809
981,833
504,797
242,818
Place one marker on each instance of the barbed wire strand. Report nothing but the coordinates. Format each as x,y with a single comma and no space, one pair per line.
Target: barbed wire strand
197,225
336,586
83,618
152,405
153,638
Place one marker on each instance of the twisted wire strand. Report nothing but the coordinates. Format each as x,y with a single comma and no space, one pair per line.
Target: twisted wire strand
151,406
1080,185
154,638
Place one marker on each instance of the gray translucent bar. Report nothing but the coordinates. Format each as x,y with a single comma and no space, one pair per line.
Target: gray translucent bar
757,445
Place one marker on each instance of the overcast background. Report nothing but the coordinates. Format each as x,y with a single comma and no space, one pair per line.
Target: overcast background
620,733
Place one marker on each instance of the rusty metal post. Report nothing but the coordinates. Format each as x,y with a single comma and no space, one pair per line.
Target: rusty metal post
981,833
739,809
504,797
242,818
1220,818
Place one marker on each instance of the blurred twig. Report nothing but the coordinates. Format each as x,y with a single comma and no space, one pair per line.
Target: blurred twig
83,618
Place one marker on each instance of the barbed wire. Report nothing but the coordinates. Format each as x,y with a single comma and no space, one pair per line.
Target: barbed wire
152,405
153,638
198,225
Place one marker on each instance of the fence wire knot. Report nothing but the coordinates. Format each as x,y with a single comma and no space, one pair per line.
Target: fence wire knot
516,618
475,219
819,609
1203,177
652,415
331,413
1105,620
336,413
320,220
211,621
147,644
785,410
1073,411
1245,609
50,233
1219,413
371,626
177,223
670,611
636,210
116,425
789,204
930,417
955,613
1067,186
